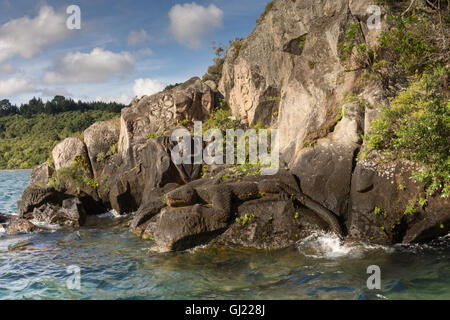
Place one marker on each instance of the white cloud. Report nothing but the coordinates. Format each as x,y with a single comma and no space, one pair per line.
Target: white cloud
123,98
27,37
190,22
7,69
143,52
136,37
51,92
14,86
97,66
147,87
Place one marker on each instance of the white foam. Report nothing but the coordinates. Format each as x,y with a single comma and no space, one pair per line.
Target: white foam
195,249
46,226
330,246
110,214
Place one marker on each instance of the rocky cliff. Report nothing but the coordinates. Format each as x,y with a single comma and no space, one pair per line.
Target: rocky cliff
306,70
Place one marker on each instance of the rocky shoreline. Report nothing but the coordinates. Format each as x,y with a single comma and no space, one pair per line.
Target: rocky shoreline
291,79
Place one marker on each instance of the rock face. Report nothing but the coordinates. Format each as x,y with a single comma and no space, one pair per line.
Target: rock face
65,152
152,168
270,223
159,113
42,174
380,197
253,211
289,72
144,163
70,215
101,138
20,225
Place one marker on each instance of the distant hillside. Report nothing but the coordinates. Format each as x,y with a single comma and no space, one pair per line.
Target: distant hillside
29,133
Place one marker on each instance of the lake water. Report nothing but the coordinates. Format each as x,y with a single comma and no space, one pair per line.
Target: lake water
114,264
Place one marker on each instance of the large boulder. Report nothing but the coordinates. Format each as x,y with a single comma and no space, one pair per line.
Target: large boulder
129,186
20,225
388,207
184,228
70,215
101,142
152,205
202,210
35,196
67,151
74,175
270,223
41,175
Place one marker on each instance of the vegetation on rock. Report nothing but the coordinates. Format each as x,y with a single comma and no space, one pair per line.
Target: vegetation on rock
77,175
412,62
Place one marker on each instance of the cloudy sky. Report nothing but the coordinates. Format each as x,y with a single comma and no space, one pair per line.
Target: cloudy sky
123,48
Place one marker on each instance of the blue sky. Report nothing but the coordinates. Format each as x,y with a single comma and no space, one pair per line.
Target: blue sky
123,49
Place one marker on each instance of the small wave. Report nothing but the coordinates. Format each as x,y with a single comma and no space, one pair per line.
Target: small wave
197,248
110,214
441,243
46,226
330,246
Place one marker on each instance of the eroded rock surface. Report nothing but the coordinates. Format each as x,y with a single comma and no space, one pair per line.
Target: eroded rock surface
381,194
200,211
67,151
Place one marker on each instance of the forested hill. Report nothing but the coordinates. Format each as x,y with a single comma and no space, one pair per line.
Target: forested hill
28,133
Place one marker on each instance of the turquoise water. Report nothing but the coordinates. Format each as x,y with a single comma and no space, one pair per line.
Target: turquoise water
12,184
114,264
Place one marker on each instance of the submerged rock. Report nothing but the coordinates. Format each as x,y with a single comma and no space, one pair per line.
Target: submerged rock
19,246
71,215
20,225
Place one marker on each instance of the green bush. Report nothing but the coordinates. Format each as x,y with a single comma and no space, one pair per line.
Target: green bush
416,126
77,175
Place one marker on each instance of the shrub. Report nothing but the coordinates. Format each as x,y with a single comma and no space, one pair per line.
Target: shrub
113,149
76,175
416,126
171,86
